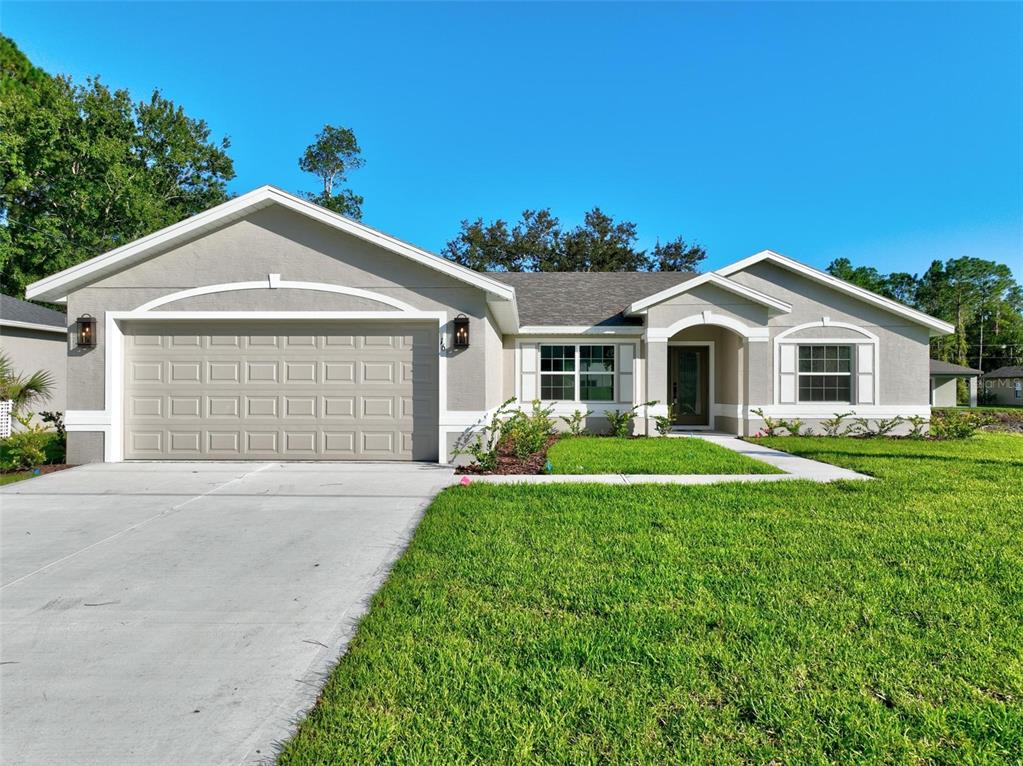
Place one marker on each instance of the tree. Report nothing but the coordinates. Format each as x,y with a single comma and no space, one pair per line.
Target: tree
678,255
84,169
23,391
334,154
538,243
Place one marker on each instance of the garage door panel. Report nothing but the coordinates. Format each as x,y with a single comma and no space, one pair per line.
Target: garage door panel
333,391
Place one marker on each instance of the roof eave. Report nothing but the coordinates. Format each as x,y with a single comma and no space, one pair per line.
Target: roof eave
936,326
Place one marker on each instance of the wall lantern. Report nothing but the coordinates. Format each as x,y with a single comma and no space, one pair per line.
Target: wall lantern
86,331
461,324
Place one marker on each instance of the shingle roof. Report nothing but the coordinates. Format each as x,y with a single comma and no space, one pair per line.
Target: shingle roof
584,298
939,367
14,310
1014,371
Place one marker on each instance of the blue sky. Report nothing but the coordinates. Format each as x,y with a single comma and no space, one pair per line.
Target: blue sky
891,134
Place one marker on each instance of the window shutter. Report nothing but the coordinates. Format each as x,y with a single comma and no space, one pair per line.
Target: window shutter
626,352
865,373
787,374
529,388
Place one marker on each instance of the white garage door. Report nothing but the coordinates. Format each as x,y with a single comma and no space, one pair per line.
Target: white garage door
260,390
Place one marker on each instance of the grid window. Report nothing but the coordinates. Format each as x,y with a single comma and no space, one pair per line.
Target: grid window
825,373
577,373
1018,390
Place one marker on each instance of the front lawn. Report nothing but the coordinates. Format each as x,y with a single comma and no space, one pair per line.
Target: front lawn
787,622
594,454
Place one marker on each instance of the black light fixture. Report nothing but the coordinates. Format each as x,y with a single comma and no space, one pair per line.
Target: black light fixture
86,331
461,325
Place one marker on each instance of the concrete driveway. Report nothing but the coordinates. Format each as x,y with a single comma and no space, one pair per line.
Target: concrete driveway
186,613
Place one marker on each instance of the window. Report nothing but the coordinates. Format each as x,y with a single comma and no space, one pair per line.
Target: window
577,373
1018,390
825,373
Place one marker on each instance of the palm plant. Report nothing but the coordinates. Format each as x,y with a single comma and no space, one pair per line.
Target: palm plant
23,391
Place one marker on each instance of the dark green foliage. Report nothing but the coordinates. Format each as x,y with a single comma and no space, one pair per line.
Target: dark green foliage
621,423
84,169
331,157
955,424
30,447
538,243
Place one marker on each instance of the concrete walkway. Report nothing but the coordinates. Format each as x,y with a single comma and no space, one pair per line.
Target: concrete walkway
795,467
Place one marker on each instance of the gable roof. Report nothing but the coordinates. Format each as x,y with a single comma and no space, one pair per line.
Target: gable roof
939,367
937,326
717,280
584,299
1013,371
18,313
57,286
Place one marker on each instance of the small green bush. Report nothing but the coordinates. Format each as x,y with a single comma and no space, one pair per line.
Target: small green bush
952,424
483,449
25,449
527,432
576,422
664,423
621,422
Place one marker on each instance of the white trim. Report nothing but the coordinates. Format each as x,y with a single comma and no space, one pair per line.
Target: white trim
707,317
110,420
869,338
717,280
33,326
521,344
829,409
936,325
274,282
68,280
627,330
711,399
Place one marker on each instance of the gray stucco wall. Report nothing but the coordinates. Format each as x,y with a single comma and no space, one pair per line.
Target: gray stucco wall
31,350
904,363
943,391
1003,390
275,240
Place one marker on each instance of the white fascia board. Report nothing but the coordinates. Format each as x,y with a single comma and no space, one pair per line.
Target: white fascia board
506,314
60,284
33,326
937,326
627,330
710,278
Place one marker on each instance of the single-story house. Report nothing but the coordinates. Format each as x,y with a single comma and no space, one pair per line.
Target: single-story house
270,328
1005,385
35,338
944,381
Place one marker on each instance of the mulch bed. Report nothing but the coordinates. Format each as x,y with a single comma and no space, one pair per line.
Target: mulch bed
508,463
43,469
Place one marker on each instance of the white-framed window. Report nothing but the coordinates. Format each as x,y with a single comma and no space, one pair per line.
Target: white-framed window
1018,389
577,372
825,373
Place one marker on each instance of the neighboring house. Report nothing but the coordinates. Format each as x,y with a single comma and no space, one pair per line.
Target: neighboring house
944,381
1005,385
270,328
35,338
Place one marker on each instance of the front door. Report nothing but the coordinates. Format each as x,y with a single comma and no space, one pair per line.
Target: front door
688,384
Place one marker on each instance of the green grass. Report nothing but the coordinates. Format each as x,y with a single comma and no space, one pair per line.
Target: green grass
10,478
593,454
787,623
1013,408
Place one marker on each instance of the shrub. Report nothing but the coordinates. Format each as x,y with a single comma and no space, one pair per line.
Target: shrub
771,426
833,426
527,433
917,424
957,425
794,427
881,427
55,419
483,449
663,423
25,449
576,422
621,422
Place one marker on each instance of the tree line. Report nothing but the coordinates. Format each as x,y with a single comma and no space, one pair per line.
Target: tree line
979,297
